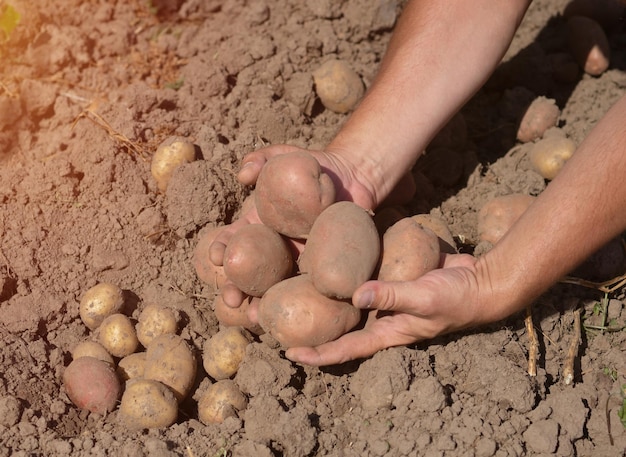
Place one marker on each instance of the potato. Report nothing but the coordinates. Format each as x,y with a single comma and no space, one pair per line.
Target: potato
291,191
588,44
295,314
221,401
169,359
497,216
409,251
99,302
206,270
167,158
223,352
132,366
92,349
92,384
256,258
540,115
548,155
608,13
117,335
338,86
237,317
147,403
155,320
447,243
342,250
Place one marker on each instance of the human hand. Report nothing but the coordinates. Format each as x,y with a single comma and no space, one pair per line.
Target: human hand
444,300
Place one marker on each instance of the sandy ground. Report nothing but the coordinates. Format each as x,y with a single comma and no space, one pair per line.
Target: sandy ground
89,89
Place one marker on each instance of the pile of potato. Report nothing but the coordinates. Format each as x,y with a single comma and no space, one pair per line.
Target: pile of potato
146,368
305,301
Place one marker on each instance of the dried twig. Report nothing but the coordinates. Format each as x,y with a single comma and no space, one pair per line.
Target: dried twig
572,352
533,350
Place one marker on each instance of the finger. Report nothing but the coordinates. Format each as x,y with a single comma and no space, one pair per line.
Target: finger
232,296
253,162
458,260
411,297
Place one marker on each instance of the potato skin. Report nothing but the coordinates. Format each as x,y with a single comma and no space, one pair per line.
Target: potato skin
169,359
409,251
117,335
132,366
92,349
338,86
147,403
223,352
169,156
548,155
256,258
540,115
342,250
447,243
207,271
220,401
588,44
497,216
92,384
296,314
155,320
99,302
291,191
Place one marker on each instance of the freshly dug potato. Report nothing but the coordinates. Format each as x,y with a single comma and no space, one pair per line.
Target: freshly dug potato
338,86
206,270
221,401
99,302
167,158
117,335
540,115
608,13
441,229
132,366
155,320
409,251
256,258
169,359
342,250
497,216
92,349
223,352
548,155
291,191
296,314
588,44
237,317
92,384
147,403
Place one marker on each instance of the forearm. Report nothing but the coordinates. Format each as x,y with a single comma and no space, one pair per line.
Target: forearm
580,210
441,53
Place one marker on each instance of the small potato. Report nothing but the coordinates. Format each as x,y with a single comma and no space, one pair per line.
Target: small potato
167,158
588,44
206,270
447,243
497,216
291,191
92,385
256,258
548,155
295,314
237,317
155,320
147,403
117,335
169,359
342,250
221,401
100,301
92,349
540,115
409,251
223,352
132,366
338,86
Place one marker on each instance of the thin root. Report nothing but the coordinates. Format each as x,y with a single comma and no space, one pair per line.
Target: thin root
572,352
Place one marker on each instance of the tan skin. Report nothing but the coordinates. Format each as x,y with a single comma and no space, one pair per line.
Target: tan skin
427,75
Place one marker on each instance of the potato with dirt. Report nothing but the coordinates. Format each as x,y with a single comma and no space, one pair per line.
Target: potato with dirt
132,366
155,320
220,401
540,115
147,403
338,86
447,243
342,250
92,385
588,44
118,336
256,258
550,154
296,314
92,349
223,352
170,155
99,302
291,191
409,251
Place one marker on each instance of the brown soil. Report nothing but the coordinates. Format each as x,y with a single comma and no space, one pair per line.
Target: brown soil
89,89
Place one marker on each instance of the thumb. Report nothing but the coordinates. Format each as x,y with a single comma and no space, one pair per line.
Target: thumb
383,295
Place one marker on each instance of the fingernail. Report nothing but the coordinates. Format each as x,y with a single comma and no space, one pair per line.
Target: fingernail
365,300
